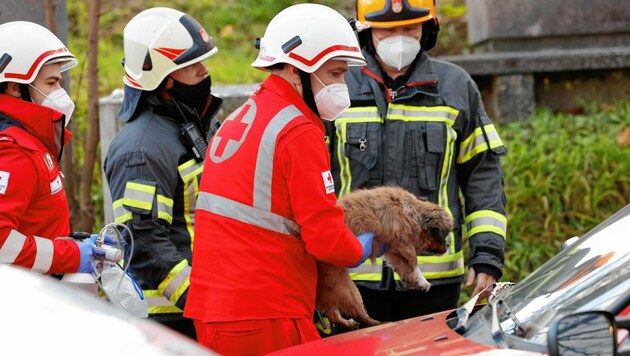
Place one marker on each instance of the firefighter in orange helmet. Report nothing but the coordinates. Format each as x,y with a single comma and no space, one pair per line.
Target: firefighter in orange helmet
419,123
267,209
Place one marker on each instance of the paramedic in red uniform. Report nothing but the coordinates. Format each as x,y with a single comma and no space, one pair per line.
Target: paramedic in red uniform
266,210
34,110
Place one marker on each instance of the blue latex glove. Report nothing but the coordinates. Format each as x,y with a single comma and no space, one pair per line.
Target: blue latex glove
86,248
366,242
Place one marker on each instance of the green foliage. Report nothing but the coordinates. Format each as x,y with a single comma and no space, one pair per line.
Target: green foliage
563,175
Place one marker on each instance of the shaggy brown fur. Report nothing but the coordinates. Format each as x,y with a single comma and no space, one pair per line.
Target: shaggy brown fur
406,225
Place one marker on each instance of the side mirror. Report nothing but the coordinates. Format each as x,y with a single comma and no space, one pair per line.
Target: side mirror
586,333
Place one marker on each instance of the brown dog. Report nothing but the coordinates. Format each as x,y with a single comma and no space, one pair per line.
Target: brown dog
405,225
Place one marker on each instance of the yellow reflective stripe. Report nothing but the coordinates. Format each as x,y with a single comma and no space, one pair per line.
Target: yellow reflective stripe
121,215
134,203
165,284
139,195
486,221
445,173
368,271
432,267
191,191
158,304
345,175
187,164
444,266
476,142
190,172
180,290
165,208
423,113
369,277
140,187
189,169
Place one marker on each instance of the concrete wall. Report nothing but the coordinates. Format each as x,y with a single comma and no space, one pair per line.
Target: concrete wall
29,10
527,53
525,25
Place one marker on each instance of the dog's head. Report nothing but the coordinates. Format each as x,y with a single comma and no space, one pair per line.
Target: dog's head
432,225
438,224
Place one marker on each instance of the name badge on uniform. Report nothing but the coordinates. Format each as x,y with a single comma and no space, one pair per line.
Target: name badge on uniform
329,183
4,181
56,185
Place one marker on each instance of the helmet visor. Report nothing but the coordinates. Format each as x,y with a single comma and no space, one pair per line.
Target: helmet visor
202,42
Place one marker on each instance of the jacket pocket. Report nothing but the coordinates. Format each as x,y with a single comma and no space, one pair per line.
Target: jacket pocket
430,147
361,148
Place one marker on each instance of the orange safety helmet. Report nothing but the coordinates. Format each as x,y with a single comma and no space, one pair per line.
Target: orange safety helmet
391,13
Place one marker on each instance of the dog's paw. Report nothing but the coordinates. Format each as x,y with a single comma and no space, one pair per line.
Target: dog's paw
418,281
424,286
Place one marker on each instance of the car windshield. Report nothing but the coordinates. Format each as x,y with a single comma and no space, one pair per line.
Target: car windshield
591,274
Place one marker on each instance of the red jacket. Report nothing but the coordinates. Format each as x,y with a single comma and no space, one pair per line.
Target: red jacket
33,206
265,213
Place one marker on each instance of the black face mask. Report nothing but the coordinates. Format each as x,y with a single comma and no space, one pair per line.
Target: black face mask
194,96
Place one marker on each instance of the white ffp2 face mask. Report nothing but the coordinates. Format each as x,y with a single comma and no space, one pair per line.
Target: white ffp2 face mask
332,100
397,51
58,100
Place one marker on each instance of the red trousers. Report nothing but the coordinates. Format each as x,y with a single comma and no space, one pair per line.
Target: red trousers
255,337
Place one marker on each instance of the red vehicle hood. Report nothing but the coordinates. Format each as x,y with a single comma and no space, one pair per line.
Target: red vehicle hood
422,335
428,335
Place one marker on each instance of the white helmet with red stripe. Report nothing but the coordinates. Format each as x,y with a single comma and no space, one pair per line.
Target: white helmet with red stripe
306,36
159,41
25,47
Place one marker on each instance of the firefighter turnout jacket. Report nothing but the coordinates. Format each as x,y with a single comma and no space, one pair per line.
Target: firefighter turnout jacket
33,207
154,181
266,212
430,135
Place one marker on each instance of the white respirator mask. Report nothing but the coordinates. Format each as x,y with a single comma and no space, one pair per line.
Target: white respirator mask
58,100
397,51
332,100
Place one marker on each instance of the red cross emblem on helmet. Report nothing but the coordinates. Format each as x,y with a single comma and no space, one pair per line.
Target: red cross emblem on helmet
397,6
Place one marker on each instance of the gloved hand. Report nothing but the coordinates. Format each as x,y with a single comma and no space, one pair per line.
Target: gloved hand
86,248
366,242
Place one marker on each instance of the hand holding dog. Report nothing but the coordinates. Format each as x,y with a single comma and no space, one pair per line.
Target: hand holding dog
365,239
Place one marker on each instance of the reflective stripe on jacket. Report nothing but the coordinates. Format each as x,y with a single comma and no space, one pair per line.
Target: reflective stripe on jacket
432,137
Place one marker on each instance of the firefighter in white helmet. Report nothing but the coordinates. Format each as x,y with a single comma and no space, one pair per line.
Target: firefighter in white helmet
34,110
267,209
153,166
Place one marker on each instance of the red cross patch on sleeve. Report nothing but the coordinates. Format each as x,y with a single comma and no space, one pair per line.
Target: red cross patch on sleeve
329,183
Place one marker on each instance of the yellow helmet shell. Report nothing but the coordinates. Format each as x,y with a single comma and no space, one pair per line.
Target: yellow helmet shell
391,13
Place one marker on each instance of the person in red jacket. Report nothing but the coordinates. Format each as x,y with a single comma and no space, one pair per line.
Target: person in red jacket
34,109
266,210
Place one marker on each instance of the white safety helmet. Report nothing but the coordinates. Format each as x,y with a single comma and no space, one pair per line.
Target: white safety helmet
159,41
306,36
25,47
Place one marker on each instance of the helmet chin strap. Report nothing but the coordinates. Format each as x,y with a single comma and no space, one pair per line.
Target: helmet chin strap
25,93
307,91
